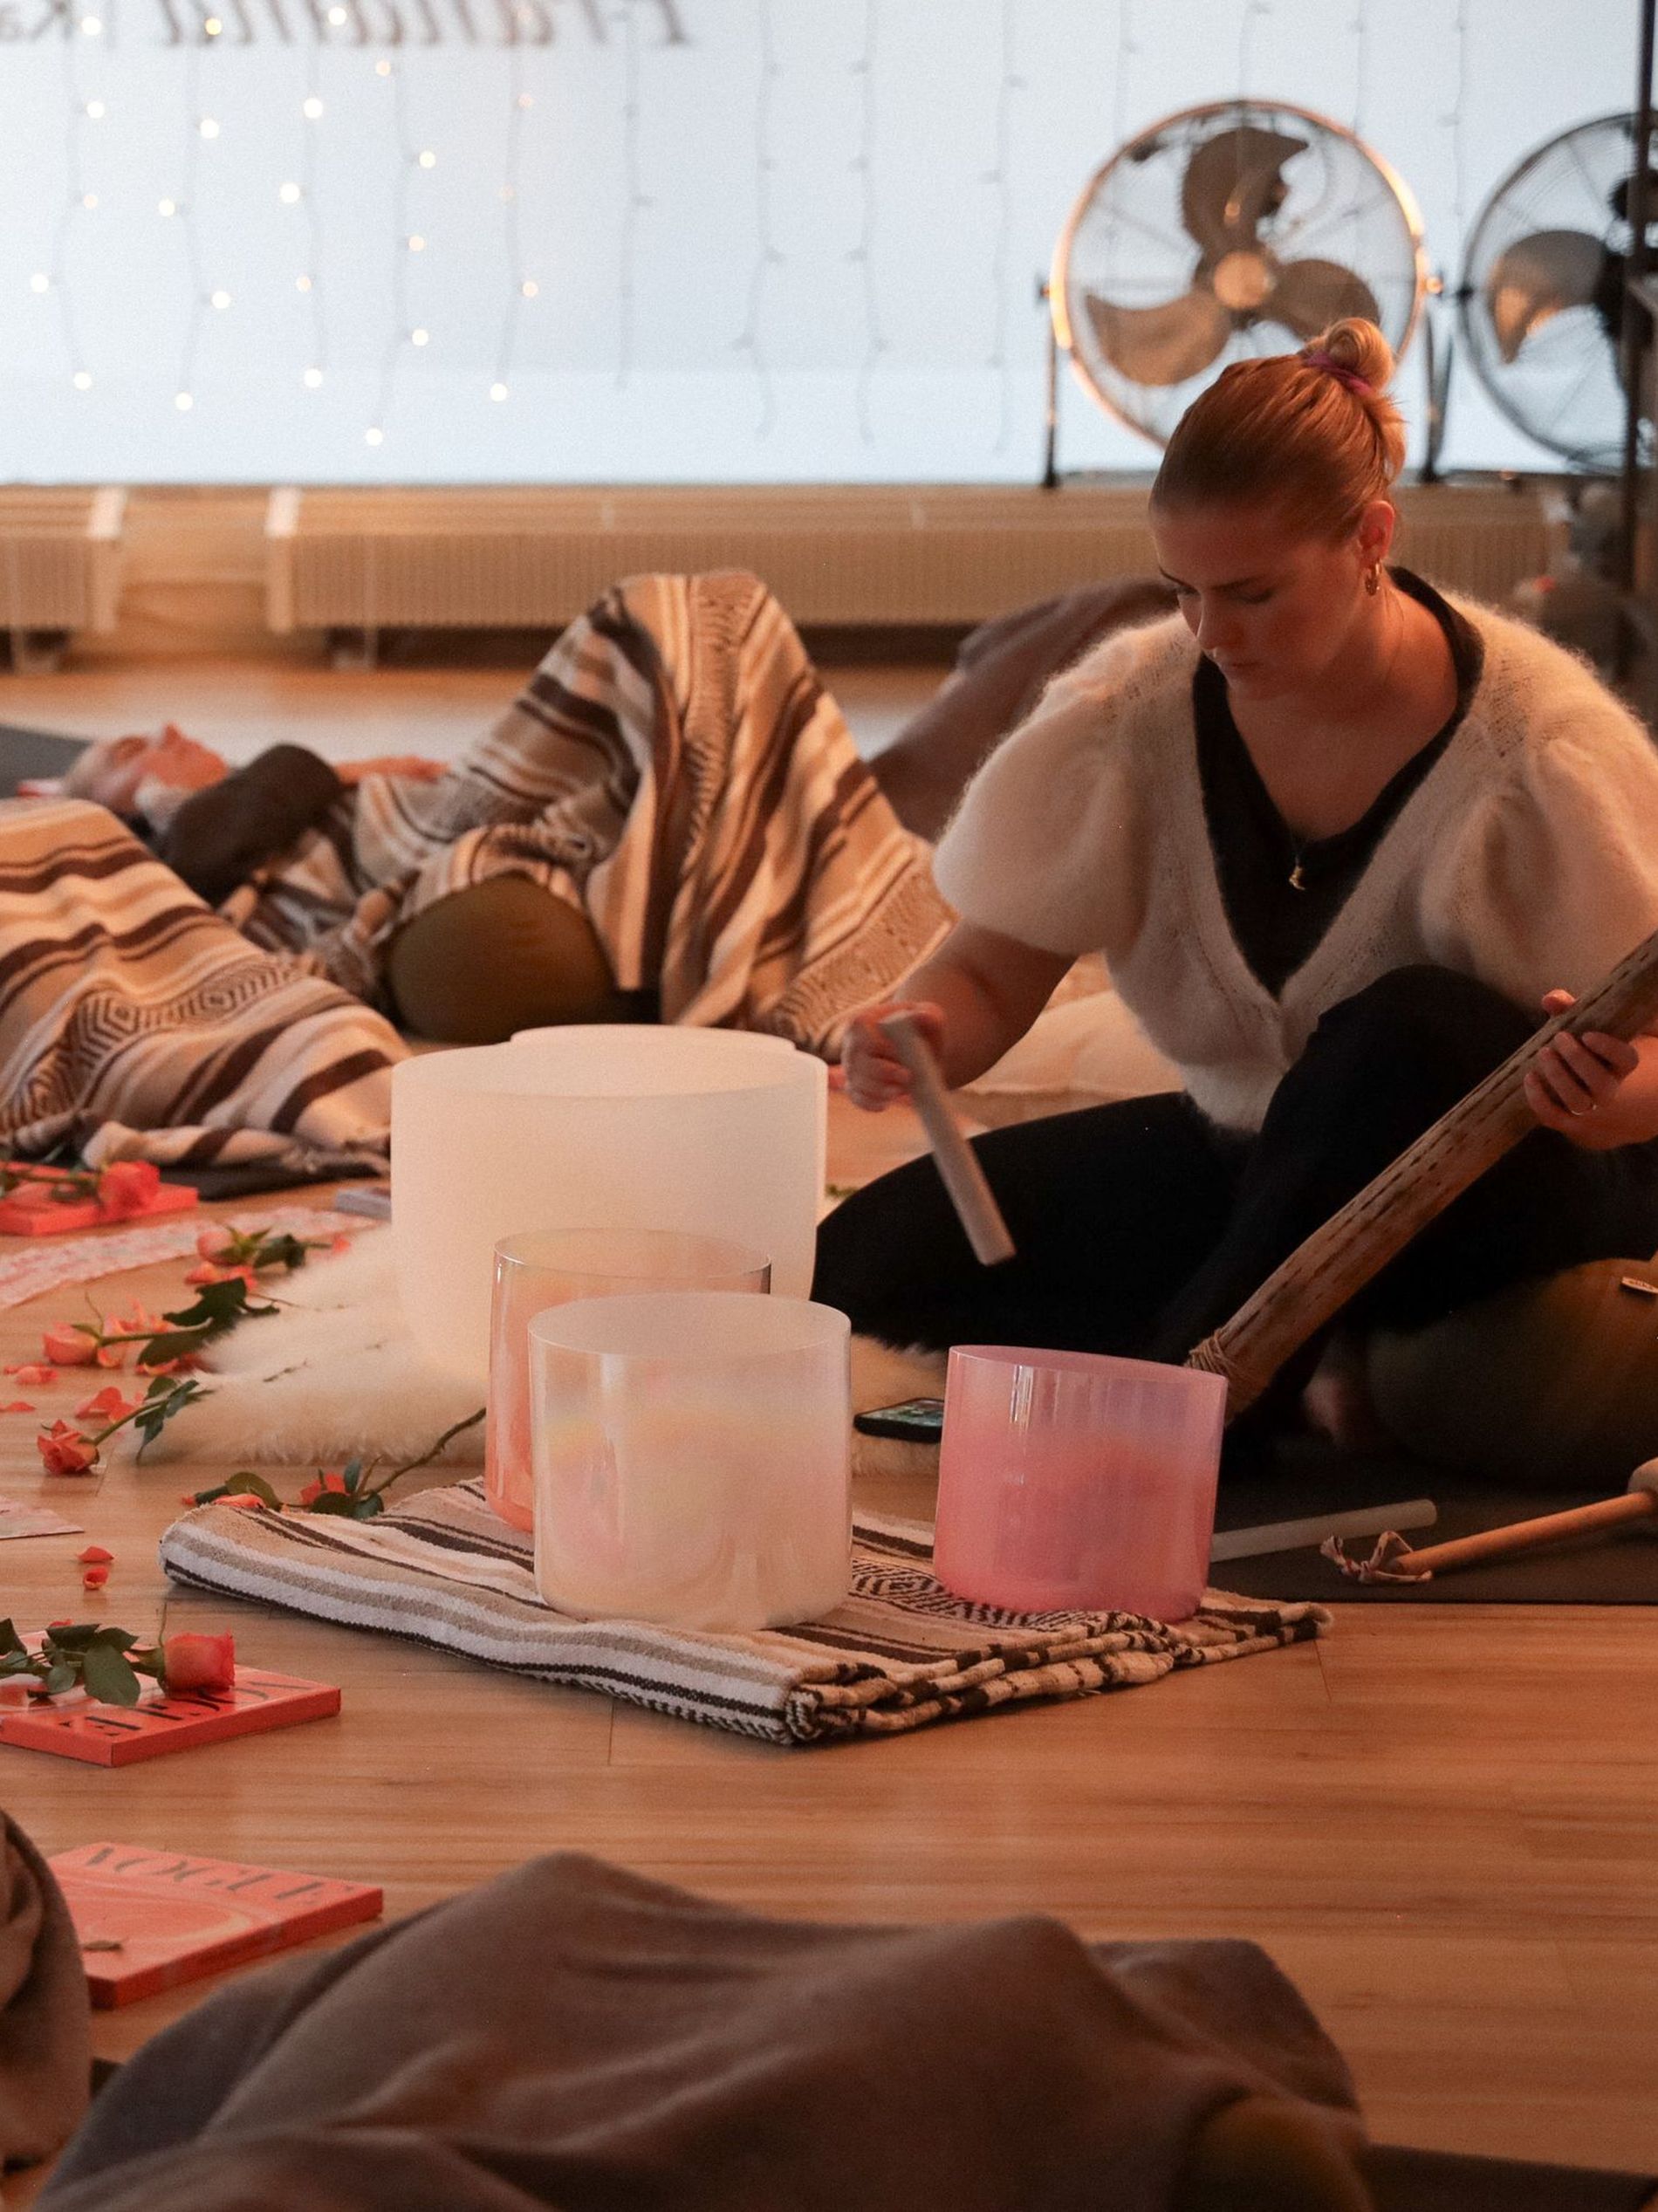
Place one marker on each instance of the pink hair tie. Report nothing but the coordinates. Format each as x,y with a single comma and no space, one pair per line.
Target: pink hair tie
1331,367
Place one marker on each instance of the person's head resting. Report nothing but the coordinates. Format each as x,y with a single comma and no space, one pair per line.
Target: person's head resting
1271,512
112,772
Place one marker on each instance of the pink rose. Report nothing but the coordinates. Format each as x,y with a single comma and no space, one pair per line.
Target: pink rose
129,1185
70,1346
65,1451
33,1374
327,1481
214,1242
198,1662
209,1271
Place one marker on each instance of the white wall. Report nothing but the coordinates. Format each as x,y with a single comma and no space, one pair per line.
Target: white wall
724,290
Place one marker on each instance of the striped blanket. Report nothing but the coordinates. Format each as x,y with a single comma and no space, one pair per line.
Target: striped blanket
674,766
901,1654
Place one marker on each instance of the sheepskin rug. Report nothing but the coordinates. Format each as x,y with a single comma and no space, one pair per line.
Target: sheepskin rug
336,1373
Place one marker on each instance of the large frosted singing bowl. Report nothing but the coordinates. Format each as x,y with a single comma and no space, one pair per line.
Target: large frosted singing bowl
700,1130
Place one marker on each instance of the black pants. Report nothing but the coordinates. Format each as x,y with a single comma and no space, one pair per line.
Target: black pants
1141,1228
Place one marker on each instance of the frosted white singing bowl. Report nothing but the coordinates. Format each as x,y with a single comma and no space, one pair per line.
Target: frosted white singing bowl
691,1454
700,1130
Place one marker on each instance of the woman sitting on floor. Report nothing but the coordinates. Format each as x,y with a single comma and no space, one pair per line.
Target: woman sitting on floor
1341,838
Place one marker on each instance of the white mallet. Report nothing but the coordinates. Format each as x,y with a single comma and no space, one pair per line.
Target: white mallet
972,1197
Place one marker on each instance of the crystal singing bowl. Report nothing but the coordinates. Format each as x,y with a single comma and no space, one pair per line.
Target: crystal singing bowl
701,1130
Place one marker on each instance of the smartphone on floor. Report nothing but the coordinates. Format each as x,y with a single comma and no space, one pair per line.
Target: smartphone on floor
915,1421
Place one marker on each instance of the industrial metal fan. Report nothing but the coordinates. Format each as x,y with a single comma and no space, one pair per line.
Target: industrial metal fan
1245,227
1543,296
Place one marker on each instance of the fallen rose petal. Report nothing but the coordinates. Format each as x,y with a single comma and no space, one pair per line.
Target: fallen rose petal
95,1578
191,1661
111,1355
15,1693
246,1501
64,1450
93,1555
70,1346
340,1244
18,1405
33,1374
106,1404
138,1322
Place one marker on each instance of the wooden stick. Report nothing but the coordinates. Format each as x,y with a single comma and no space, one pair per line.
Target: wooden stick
1528,1536
1358,1240
972,1197
1295,1535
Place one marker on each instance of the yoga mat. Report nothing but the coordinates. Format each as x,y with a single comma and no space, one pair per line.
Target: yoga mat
33,752
1306,1476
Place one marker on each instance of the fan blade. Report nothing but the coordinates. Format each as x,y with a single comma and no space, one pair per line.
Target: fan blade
1161,345
1232,183
1537,277
1310,295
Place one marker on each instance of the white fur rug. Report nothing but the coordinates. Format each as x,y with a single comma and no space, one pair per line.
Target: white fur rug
336,1373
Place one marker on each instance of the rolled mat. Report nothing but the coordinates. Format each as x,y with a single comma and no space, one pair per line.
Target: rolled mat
901,1654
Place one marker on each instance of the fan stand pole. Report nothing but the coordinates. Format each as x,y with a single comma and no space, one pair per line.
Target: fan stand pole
1638,327
1051,401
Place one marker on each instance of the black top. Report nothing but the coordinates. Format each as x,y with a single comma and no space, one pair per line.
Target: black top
224,832
1277,923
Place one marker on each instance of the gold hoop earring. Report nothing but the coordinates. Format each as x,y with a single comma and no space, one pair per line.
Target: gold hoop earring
1373,578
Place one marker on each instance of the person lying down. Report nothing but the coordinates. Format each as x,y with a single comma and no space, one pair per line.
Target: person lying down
672,821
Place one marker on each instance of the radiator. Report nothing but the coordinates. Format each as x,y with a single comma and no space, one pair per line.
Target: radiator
496,558
60,552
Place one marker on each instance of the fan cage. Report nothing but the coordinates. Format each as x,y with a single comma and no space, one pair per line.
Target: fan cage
1575,332
1409,282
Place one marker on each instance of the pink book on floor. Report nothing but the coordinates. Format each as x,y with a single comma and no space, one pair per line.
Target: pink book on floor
117,1734
150,1920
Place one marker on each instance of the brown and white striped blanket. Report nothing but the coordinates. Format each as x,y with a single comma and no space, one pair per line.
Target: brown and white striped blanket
674,766
901,1653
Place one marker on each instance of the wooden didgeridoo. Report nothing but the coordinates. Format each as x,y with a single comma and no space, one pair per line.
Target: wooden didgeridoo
1358,1240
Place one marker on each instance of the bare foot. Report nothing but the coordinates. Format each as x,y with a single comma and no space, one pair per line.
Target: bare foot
1337,1399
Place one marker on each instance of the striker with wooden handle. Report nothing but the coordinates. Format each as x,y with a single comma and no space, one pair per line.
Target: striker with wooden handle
1638,1503
1358,1240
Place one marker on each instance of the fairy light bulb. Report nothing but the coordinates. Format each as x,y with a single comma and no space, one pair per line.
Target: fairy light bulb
338,17
313,109
40,281
89,201
81,381
92,27
530,288
427,159
288,194
373,435
498,392
382,69
167,207
302,284
184,401
419,336
220,299
417,244
208,128
212,27
313,379
96,111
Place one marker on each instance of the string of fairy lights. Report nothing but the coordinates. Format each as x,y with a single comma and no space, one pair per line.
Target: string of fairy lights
750,339
199,192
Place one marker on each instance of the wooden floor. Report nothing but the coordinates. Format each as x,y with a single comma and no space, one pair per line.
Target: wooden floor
1444,1823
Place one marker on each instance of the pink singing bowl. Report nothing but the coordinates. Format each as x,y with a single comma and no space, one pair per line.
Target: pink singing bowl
1071,1482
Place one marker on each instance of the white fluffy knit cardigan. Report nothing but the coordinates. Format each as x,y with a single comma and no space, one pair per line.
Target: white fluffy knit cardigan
1526,857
